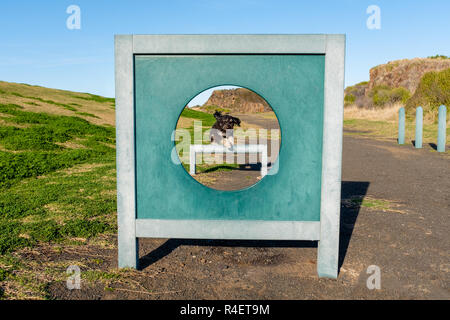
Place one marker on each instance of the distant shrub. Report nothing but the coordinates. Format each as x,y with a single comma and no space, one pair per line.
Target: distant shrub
212,109
439,56
433,91
382,95
349,99
400,94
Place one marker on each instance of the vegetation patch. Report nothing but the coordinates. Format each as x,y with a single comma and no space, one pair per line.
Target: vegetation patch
207,119
96,98
87,114
349,99
389,129
40,141
33,181
371,203
212,109
27,216
382,95
439,56
98,275
433,91
65,106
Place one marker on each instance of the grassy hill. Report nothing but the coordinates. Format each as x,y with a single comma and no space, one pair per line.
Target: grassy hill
57,167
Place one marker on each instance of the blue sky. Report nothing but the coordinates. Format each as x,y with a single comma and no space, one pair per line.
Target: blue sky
37,48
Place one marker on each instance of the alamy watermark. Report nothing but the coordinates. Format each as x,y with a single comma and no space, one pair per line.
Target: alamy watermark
374,280
74,279
374,20
73,22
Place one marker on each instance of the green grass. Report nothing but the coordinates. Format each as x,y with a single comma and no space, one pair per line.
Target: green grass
57,207
97,275
37,143
388,129
87,114
371,203
207,121
206,118
60,204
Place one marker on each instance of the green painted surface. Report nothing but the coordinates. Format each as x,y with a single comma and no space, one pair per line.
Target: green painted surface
292,84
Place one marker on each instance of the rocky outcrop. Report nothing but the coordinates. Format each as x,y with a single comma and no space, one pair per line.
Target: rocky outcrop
237,100
393,82
404,73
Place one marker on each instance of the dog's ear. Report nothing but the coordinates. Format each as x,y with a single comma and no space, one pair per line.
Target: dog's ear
237,121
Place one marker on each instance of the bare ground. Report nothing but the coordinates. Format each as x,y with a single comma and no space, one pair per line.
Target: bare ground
407,237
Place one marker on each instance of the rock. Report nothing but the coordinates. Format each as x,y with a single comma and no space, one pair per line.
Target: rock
237,100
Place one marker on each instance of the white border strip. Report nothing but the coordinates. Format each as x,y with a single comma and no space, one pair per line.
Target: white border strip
228,229
126,193
333,46
229,43
330,204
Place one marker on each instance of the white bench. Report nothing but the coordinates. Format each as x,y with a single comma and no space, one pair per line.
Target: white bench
240,148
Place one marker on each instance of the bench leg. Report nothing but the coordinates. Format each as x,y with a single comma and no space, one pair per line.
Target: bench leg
264,163
192,158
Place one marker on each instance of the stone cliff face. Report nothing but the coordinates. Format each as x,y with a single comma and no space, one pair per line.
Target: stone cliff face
393,81
238,100
405,73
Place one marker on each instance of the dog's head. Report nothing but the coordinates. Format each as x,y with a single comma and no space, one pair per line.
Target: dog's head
217,114
226,121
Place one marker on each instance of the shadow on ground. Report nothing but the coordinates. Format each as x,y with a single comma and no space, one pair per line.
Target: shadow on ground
349,214
244,167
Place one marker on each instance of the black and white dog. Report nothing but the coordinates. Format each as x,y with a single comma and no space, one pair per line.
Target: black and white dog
222,130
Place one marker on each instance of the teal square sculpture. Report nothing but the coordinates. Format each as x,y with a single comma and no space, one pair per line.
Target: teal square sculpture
294,87
300,76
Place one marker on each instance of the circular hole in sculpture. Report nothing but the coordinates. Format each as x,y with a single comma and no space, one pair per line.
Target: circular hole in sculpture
228,138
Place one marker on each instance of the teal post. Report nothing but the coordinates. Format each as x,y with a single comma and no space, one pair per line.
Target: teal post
419,127
442,129
401,126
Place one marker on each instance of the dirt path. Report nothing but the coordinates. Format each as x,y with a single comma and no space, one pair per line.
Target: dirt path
406,236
